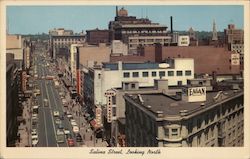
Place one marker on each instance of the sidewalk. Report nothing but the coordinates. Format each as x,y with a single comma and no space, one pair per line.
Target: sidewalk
24,127
85,129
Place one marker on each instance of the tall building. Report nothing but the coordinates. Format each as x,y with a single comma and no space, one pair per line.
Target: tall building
214,36
193,117
12,90
125,26
233,35
60,41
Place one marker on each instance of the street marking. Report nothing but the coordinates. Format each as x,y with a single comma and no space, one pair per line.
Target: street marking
51,114
44,114
52,90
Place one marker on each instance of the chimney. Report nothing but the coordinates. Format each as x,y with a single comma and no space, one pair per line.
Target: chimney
171,24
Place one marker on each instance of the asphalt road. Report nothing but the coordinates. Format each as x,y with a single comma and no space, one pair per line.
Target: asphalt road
46,121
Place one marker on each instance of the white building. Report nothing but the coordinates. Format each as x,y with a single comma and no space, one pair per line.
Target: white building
183,40
119,48
111,75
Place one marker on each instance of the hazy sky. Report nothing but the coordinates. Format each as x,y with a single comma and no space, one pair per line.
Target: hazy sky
38,19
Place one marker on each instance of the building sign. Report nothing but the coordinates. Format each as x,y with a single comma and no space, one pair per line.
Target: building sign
109,94
235,59
98,114
196,94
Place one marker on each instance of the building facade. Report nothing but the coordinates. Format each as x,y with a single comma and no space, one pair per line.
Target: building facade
125,26
135,41
12,107
177,71
60,44
96,36
166,121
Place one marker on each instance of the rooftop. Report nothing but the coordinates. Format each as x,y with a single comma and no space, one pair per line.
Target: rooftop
170,107
132,66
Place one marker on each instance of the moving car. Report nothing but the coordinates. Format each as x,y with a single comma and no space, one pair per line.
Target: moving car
56,113
46,102
58,121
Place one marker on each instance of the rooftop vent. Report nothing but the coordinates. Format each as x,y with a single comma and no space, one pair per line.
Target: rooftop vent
183,112
140,98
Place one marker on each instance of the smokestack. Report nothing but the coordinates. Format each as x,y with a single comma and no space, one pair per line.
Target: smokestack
171,24
116,11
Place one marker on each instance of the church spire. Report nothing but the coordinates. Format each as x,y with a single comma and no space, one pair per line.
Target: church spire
215,36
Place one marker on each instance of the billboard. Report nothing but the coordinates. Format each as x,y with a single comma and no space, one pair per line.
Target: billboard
235,59
196,94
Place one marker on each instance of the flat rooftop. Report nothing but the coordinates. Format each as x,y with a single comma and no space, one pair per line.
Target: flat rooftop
171,107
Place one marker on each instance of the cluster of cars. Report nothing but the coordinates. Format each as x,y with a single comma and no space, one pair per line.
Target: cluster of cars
34,121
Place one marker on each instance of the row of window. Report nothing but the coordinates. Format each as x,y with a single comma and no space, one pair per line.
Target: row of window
155,73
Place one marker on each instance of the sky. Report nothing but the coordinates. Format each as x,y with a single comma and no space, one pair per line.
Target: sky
40,19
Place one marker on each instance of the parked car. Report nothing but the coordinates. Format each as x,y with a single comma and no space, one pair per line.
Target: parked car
61,117
34,139
66,132
70,142
78,138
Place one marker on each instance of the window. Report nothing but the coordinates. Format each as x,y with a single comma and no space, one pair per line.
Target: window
198,140
198,123
174,132
113,100
145,74
167,133
188,73
179,73
170,73
162,73
132,85
135,74
126,74
114,111
179,83
154,74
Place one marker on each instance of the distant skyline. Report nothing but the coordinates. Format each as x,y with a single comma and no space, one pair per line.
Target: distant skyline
40,19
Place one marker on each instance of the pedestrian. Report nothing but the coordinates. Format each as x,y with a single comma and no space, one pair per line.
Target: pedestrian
91,137
83,136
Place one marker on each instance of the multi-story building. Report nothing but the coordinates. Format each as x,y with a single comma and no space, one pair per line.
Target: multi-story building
233,35
99,79
91,55
110,75
12,90
207,59
135,41
61,40
96,36
193,117
15,45
125,26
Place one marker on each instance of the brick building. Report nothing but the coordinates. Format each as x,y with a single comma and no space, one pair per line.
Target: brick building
96,36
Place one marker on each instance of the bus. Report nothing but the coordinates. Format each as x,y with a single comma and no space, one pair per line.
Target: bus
59,136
